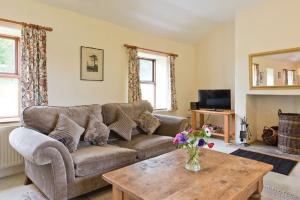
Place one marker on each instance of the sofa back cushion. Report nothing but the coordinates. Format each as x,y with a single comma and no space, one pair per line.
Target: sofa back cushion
44,118
133,110
67,132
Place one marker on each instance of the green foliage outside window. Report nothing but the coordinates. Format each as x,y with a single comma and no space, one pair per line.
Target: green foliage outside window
7,55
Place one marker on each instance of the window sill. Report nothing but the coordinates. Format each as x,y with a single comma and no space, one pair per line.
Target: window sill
9,120
160,109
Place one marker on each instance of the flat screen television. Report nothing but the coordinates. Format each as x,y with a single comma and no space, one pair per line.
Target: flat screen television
214,99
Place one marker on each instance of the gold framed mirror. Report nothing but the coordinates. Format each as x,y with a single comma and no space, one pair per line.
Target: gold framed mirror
275,69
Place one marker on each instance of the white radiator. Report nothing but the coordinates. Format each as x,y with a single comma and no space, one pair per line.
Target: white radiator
8,156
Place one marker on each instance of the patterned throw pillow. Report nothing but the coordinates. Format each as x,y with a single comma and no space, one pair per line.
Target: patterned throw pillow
148,122
67,132
97,132
123,126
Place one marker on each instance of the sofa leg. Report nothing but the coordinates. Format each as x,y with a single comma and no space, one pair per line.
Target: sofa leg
27,181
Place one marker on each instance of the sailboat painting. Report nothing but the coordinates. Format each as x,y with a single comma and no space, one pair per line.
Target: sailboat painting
92,64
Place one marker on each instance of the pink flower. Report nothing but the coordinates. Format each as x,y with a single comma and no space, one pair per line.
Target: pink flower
190,130
180,138
175,140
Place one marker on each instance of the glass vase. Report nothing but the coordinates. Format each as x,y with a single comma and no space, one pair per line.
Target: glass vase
192,162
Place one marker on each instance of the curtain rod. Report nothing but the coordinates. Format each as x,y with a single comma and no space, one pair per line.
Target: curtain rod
161,52
23,23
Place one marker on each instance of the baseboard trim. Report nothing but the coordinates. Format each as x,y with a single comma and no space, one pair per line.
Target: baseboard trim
11,170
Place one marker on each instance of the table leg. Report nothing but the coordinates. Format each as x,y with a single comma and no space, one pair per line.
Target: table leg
226,128
201,118
127,197
194,120
233,126
117,194
257,194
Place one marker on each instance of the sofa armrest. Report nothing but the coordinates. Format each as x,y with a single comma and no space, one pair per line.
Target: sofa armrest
171,125
40,149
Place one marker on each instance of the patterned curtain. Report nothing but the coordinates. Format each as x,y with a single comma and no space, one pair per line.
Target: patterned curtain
256,68
294,77
285,77
33,67
173,105
134,89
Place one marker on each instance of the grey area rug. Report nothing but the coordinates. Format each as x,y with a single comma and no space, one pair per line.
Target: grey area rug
280,165
260,147
29,192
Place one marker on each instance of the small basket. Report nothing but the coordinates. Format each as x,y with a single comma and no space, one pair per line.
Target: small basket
270,135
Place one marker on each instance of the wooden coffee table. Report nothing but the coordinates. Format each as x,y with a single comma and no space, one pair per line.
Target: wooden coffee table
222,176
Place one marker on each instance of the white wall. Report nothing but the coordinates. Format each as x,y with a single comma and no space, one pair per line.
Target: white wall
265,110
215,61
270,26
72,30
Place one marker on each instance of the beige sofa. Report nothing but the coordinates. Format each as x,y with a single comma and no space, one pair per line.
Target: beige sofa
62,175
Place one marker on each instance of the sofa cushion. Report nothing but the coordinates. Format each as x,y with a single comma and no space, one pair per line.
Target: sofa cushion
67,132
133,110
148,122
148,146
44,118
97,132
123,126
100,159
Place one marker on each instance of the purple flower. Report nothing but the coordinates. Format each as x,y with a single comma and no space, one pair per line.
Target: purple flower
201,142
181,138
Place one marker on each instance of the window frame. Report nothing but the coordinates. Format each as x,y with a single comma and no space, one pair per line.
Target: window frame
293,72
153,82
13,75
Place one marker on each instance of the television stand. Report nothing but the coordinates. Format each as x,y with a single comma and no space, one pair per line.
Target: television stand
215,110
229,121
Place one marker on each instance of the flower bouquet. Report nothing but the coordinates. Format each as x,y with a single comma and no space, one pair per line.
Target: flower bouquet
192,140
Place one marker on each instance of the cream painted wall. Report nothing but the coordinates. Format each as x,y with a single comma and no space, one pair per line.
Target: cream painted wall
266,109
270,26
215,62
72,30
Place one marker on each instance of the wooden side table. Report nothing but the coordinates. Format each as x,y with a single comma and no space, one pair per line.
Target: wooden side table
229,121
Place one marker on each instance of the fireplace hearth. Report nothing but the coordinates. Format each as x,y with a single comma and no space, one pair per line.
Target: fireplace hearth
262,110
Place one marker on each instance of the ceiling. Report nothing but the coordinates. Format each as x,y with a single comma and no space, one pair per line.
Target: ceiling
292,57
181,20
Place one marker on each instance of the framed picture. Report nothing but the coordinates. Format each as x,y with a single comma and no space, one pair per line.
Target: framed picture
92,64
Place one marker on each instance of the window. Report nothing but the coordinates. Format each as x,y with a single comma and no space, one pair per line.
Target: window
147,79
270,76
9,78
291,77
154,79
